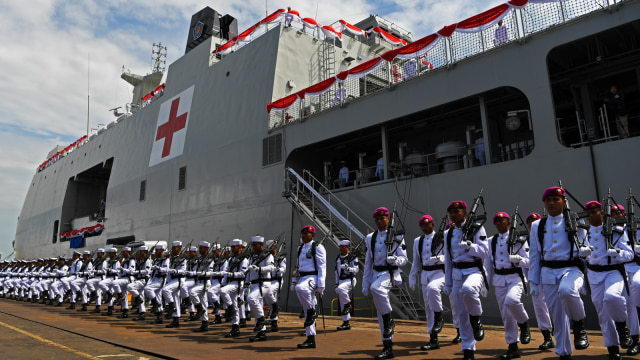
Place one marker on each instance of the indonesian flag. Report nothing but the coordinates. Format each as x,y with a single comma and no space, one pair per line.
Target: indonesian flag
488,18
245,36
273,18
225,49
352,29
330,33
391,39
310,23
321,87
282,103
365,68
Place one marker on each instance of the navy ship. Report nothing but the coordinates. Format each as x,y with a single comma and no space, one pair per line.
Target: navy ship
250,130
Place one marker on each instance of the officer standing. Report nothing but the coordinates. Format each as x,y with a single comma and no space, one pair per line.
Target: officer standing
607,277
347,267
311,274
539,301
508,261
382,272
428,261
556,266
465,275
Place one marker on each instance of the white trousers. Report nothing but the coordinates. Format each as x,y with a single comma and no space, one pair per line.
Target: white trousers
610,302
306,289
511,309
465,297
229,296
343,290
432,285
379,289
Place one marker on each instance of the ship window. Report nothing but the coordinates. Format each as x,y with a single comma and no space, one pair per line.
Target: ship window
272,150
182,178
143,190
56,224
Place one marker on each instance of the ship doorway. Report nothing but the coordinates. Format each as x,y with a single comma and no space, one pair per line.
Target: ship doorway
86,197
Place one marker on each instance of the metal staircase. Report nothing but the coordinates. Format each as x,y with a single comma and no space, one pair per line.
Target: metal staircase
336,221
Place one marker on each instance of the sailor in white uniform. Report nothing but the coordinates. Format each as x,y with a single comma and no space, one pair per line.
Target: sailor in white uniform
125,277
607,278
171,291
112,270
202,277
381,273
465,276
310,279
280,268
262,265
76,264
347,267
234,277
555,265
55,289
428,262
216,275
79,285
508,279
153,289
539,301
141,275
95,276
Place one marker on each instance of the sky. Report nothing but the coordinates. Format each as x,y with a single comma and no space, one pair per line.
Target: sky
54,55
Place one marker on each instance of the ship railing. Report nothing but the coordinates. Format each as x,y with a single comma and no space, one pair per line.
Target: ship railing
520,25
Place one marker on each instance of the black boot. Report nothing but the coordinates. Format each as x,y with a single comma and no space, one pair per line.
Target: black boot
247,315
71,306
345,326
433,342
346,309
169,312
140,317
456,340
243,323
200,310
93,296
389,326
204,327
580,339
109,311
301,316
192,317
217,320
235,331
155,305
438,323
565,357
107,296
525,333
623,334
275,309
311,317
137,301
512,352
548,341
124,315
478,329
96,310
468,354
614,353
83,308
387,350
260,323
310,343
175,323
634,349
274,326
158,319
260,336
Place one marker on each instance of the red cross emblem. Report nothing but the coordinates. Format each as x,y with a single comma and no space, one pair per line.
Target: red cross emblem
174,124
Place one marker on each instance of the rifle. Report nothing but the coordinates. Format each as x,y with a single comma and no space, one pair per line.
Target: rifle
246,252
438,237
473,222
571,227
392,233
515,236
632,221
268,250
607,223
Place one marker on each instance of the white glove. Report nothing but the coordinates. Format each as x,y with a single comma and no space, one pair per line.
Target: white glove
465,245
345,266
612,252
155,267
173,271
254,268
515,259
584,251
365,291
320,290
391,260
534,290
180,272
636,249
447,289
432,260
484,292
412,285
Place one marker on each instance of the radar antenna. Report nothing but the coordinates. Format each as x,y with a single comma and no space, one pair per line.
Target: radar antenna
158,58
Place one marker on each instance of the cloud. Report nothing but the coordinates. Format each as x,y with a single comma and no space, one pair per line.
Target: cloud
47,48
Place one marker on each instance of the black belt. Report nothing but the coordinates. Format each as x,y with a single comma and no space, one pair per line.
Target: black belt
190,277
603,268
345,277
507,271
307,273
141,278
433,267
465,265
563,264
385,268
259,281
276,278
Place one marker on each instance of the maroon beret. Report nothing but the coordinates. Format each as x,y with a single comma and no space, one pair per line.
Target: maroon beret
457,205
381,211
553,191
425,219
309,229
533,217
501,215
592,205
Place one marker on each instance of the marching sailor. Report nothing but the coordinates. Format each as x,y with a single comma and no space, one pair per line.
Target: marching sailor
607,278
112,269
508,261
262,264
141,276
153,289
347,267
55,290
76,264
539,301
381,273
235,275
171,291
556,267
219,265
280,267
310,279
79,285
465,276
198,292
95,277
125,277
428,261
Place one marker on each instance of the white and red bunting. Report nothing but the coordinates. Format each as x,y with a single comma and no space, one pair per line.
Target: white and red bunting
351,29
171,129
330,33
